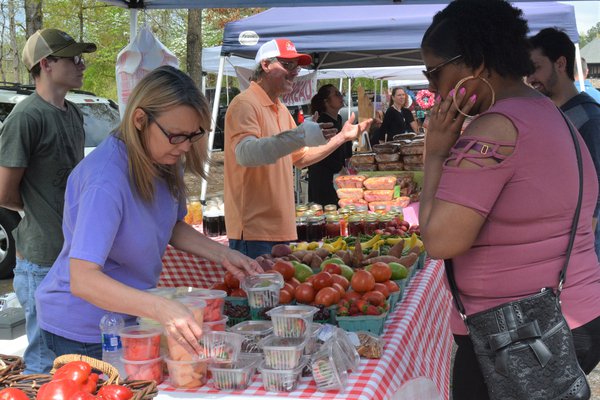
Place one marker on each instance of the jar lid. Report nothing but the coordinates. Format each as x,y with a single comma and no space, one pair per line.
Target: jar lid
361,208
355,218
385,218
301,207
330,207
316,218
333,218
380,207
301,220
397,209
371,218
316,207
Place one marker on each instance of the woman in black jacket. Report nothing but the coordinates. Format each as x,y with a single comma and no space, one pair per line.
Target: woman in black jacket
397,119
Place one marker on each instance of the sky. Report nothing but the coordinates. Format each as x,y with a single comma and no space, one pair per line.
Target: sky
587,14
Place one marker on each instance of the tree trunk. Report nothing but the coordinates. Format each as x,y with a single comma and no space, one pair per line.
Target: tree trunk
3,13
33,16
12,34
194,45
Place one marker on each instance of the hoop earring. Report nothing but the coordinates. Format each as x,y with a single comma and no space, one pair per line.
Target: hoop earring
468,78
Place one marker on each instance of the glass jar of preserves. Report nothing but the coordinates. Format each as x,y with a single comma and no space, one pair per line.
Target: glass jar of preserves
210,222
317,208
371,224
385,221
356,225
194,211
380,208
332,226
316,228
343,213
222,229
398,211
330,209
302,228
301,209
361,209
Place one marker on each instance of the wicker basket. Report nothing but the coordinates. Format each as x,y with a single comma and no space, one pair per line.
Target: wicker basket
10,365
30,384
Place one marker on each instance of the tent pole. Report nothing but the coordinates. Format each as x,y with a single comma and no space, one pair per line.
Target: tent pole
341,84
579,68
374,95
133,18
213,125
227,88
349,97
203,84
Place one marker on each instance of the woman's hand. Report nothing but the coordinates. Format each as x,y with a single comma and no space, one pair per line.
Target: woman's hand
445,123
351,131
179,323
239,265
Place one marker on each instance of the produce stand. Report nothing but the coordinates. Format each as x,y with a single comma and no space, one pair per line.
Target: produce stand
417,336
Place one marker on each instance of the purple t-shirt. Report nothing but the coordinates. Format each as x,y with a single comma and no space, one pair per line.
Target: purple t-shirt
528,201
107,223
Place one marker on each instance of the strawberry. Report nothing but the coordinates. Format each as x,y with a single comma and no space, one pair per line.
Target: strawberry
372,310
353,310
342,311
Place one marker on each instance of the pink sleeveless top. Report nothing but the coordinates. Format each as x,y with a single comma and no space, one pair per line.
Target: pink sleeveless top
528,200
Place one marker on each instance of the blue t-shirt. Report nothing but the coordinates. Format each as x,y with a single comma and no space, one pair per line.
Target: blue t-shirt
107,223
589,89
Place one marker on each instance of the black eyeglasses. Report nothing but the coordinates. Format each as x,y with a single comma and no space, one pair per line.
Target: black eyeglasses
180,138
430,73
77,60
289,65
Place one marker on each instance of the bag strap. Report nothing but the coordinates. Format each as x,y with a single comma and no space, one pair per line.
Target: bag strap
448,264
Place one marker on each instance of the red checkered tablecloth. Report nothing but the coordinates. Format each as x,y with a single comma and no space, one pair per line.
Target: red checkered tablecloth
417,336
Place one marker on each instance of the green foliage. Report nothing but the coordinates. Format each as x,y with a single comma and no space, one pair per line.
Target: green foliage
592,33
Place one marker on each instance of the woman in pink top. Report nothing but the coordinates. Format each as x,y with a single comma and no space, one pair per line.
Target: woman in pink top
499,199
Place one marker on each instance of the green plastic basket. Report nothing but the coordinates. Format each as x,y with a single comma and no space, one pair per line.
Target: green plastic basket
234,321
332,313
237,301
370,323
394,298
421,260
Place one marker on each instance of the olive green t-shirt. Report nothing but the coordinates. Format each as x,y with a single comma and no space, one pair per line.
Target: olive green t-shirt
48,142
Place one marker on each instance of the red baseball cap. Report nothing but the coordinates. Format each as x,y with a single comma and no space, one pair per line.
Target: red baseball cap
281,48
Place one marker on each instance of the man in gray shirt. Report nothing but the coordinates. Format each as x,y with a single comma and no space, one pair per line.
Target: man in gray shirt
40,143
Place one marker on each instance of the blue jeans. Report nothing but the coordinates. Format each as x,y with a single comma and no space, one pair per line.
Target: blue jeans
252,248
61,345
28,276
597,242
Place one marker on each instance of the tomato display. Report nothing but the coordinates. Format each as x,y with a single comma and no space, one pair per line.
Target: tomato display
362,281
391,286
383,289
285,297
305,293
13,394
339,279
231,281
322,280
333,268
381,271
285,268
327,296
339,288
374,297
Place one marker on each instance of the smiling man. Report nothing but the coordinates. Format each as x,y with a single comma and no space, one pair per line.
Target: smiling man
262,143
553,57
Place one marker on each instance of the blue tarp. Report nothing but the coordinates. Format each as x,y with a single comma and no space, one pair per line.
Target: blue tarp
364,36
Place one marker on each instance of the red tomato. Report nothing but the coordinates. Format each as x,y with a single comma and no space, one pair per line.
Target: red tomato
340,289
362,281
381,287
305,293
391,286
322,280
381,271
13,394
238,293
310,279
285,297
221,286
115,392
58,390
294,282
285,268
374,297
333,268
327,296
352,295
231,281
341,280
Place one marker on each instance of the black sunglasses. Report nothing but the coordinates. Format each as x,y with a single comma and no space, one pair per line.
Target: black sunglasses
430,73
180,138
289,65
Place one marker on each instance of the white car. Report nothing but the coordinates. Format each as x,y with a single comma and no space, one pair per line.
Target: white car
100,117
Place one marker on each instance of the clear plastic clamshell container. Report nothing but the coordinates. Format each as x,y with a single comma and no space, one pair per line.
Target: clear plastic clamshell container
328,367
253,332
215,301
292,321
166,292
312,343
262,289
281,380
282,353
349,353
188,374
221,346
236,375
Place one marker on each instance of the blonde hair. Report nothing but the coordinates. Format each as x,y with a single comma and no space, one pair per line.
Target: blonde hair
159,91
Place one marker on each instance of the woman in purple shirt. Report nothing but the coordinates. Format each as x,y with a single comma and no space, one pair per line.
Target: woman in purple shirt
123,204
499,199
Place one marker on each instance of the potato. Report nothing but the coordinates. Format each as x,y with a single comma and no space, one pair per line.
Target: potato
307,259
281,250
299,254
316,262
323,253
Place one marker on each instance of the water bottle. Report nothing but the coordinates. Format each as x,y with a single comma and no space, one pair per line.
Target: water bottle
112,349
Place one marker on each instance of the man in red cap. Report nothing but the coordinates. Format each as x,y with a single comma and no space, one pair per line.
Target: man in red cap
262,143
40,143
